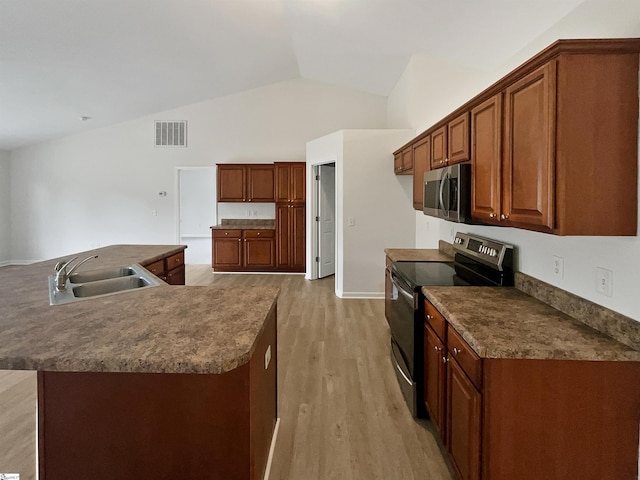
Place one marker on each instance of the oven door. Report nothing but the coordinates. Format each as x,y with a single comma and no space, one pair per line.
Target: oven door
401,320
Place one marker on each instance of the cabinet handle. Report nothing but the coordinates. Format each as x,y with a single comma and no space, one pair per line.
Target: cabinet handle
445,359
456,350
429,317
226,233
492,215
446,160
437,348
258,234
504,217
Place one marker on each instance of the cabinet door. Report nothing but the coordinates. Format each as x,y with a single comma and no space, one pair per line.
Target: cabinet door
463,423
530,149
407,161
298,182
260,183
259,253
176,276
298,235
227,253
421,164
458,139
283,181
439,147
486,158
231,183
283,242
397,163
435,378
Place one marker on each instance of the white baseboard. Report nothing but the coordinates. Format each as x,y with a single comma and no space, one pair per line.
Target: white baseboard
362,295
257,273
22,262
267,470
4,264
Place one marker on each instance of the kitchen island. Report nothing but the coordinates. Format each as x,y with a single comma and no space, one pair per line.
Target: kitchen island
160,382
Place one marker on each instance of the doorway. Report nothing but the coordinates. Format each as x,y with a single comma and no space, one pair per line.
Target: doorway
325,220
196,212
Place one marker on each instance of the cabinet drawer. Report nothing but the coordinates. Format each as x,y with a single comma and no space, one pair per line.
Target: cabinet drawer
157,268
175,261
218,233
259,233
470,362
434,318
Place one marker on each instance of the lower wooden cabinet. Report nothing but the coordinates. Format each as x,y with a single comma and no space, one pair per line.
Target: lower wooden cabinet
243,250
463,422
171,269
527,419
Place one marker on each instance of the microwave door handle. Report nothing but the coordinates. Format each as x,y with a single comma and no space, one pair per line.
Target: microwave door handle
443,206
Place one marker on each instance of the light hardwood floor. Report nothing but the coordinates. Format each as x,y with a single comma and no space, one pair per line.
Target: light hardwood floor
342,415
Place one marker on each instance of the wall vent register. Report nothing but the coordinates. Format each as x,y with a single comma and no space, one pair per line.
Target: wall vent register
171,134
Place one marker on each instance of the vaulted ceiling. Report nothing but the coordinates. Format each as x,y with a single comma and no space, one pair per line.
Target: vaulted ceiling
114,60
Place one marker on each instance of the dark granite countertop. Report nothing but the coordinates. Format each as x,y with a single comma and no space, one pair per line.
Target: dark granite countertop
164,329
507,323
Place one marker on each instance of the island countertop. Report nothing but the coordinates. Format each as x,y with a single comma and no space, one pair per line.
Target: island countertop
503,322
164,329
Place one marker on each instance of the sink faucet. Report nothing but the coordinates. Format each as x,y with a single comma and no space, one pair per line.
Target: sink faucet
61,271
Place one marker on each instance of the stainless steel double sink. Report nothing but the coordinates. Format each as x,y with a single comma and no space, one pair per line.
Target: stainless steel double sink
101,282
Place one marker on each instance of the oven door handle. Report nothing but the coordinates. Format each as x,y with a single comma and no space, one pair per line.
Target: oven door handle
409,296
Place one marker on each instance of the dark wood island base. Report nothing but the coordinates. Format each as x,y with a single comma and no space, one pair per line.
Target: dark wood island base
106,425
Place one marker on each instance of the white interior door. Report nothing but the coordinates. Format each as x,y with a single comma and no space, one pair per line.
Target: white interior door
326,220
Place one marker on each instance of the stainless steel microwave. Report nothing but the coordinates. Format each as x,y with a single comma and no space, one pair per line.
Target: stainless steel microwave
447,193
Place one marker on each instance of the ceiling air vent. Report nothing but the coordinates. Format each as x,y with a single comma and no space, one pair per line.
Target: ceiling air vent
171,134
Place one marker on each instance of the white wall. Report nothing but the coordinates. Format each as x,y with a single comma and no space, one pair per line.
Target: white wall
5,208
100,187
379,202
410,105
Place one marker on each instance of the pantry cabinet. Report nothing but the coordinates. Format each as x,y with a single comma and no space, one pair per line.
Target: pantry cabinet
291,216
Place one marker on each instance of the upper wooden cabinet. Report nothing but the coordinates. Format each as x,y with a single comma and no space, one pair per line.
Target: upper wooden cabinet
403,161
486,158
554,144
529,159
450,143
290,182
246,183
421,164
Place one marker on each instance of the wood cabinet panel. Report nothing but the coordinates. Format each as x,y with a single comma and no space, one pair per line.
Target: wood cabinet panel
260,183
458,139
176,276
246,183
231,182
439,147
435,320
291,182
421,164
486,157
463,423
435,380
465,356
528,190
298,182
290,234
157,268
259,251
227,252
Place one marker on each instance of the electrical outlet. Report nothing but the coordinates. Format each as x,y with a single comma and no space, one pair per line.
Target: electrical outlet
267,357
558,267
351,221
255,213
604,279
154,212
247,213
